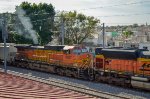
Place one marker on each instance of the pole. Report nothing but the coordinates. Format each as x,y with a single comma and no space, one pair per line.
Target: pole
103,35
5,55
62,31
4,35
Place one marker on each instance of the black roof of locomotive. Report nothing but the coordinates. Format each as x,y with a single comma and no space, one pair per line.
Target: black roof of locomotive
22,46
54,47
29,47
47,47
98,50
120,53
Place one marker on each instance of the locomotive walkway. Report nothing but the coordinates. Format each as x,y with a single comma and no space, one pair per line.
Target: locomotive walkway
14,87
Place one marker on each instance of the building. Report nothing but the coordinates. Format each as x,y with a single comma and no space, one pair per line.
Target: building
144,45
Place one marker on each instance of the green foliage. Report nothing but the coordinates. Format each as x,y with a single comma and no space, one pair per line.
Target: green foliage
78,26
20,39
127,33
135,25
42,18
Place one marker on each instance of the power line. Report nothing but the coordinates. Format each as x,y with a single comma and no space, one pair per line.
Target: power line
124,4
124,15
124,23
121,15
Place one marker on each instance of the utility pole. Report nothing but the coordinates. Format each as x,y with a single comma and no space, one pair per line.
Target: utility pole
103,35
62,31
4,36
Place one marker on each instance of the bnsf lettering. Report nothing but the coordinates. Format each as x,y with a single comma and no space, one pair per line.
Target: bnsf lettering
146,65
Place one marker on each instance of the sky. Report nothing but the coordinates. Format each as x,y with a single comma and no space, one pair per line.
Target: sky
110,12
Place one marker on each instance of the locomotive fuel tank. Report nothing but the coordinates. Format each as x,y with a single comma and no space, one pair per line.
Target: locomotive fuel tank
140,82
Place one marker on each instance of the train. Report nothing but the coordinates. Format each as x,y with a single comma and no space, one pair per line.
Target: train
117,66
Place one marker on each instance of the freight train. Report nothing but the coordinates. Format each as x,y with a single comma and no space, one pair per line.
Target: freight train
118,66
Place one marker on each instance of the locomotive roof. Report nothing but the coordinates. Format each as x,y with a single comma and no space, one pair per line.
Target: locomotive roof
37,47
120,53
54,47
120,50
22,46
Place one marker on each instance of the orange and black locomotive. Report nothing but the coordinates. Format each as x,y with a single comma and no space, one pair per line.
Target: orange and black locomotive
125,67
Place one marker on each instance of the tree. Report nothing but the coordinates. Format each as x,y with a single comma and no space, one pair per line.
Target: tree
127,33
20,39
135,25
42,19
78,27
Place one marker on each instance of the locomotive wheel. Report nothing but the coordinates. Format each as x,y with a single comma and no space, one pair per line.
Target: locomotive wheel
60,72
109,81
97,77
75,74
91,78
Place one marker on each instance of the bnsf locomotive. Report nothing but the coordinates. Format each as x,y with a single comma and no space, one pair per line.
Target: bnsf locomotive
125,67
129,67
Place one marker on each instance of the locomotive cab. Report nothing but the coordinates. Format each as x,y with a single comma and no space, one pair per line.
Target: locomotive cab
143,79
144,63
79,50
99,60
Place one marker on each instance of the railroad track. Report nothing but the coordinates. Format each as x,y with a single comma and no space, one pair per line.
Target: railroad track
15,87
69,86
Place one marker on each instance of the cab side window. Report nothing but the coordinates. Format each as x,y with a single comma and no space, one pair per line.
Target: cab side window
77,51
67,52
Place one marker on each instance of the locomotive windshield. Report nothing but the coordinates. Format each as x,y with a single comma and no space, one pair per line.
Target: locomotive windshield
84,50
77,51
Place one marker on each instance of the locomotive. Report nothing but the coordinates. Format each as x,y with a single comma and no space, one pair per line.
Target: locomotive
117,66
128,67
63,60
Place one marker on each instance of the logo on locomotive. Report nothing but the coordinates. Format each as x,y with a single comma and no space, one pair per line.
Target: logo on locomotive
145,66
